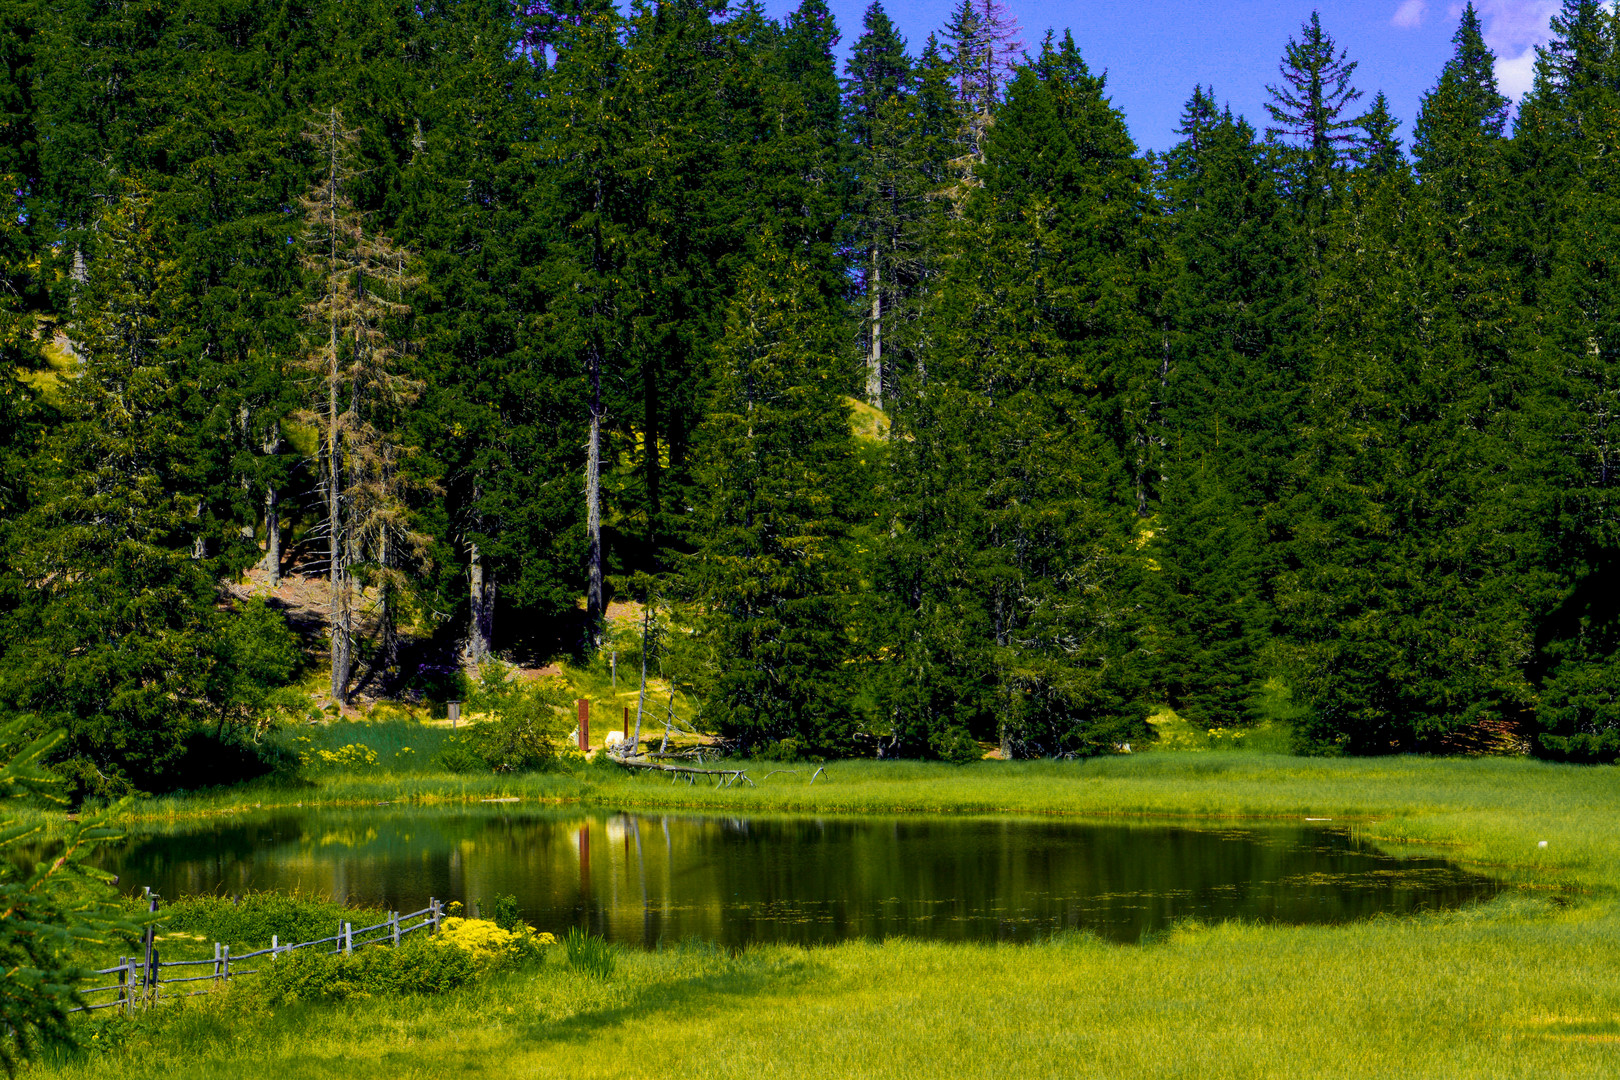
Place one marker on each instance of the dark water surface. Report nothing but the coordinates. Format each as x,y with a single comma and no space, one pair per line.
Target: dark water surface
642,878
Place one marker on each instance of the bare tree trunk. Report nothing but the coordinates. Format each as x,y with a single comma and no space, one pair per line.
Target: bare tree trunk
336,538
272,514
272,534
641,699
669,719
388,660
594,599
482,602
874,366
337,551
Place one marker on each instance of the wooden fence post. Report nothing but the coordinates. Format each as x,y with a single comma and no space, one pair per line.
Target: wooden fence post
227,965
216,965
348,938
584,707
275,950
129,981
433,915
394,919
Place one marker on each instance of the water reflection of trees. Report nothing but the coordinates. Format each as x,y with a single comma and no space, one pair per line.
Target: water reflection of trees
645,878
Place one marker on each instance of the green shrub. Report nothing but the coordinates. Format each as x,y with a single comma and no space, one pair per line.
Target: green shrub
590,953
783,750
423,966
526,721
504,913
956,747
457,757
251,920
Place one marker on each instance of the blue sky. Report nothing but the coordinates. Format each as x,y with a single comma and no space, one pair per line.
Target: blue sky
1155,51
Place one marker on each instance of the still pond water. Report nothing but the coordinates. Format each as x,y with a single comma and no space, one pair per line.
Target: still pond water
644,878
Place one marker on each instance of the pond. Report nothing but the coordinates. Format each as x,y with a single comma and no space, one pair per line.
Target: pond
644,878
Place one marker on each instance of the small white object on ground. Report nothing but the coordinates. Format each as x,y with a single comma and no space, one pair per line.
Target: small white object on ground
614,738
1542,844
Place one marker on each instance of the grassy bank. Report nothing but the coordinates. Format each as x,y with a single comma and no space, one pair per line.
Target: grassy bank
1517,988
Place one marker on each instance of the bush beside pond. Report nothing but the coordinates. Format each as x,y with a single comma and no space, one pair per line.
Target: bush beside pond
249,921
424,966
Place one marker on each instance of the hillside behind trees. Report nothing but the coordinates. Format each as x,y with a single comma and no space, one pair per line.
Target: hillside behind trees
474,318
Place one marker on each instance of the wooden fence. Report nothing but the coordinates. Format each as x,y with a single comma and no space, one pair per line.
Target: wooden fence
142,979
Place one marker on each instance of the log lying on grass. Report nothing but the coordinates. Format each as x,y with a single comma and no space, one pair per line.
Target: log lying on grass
723,777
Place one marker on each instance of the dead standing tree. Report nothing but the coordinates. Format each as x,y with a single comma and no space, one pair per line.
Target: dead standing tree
360,279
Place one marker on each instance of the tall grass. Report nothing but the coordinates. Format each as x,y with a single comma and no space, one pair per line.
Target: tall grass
1516,988
590,953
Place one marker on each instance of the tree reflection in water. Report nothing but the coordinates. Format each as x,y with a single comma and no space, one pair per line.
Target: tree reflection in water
641,879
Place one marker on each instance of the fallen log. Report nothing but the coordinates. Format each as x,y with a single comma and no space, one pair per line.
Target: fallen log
723,777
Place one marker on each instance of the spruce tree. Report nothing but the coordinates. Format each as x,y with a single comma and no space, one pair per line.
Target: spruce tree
117,637
1015,459
1568,222
889,183
1229,410
1463,112
1379,149
1311,105
770,573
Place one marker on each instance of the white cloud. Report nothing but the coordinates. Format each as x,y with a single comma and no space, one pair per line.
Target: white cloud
1513,29
1410,14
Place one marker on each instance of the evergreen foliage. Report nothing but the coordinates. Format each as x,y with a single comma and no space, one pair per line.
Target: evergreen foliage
770,572
563,300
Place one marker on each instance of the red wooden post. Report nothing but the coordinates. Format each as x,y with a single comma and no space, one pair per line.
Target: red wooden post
584,724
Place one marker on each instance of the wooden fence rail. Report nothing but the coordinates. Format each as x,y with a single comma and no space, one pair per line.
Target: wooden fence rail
141,979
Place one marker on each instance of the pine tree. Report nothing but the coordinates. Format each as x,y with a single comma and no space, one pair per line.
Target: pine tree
116,639
1015,454
1229,410
770,573
1311,103
1379,150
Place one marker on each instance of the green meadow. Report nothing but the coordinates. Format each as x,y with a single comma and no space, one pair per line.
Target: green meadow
1525,985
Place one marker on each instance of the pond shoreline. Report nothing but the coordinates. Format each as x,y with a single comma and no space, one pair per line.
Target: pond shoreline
1486,813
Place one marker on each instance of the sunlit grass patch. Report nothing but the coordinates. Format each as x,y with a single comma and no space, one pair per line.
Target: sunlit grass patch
1514,988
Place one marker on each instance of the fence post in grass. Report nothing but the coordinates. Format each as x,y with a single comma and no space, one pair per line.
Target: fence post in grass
123,983
583,706
393,918
433,915
155,973
130,984
149,941
216,965
226,965
275,949
348,938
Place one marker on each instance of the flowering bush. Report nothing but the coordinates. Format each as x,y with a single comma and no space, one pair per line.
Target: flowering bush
489,946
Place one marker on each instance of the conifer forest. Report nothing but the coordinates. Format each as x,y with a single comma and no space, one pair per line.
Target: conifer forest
911,406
